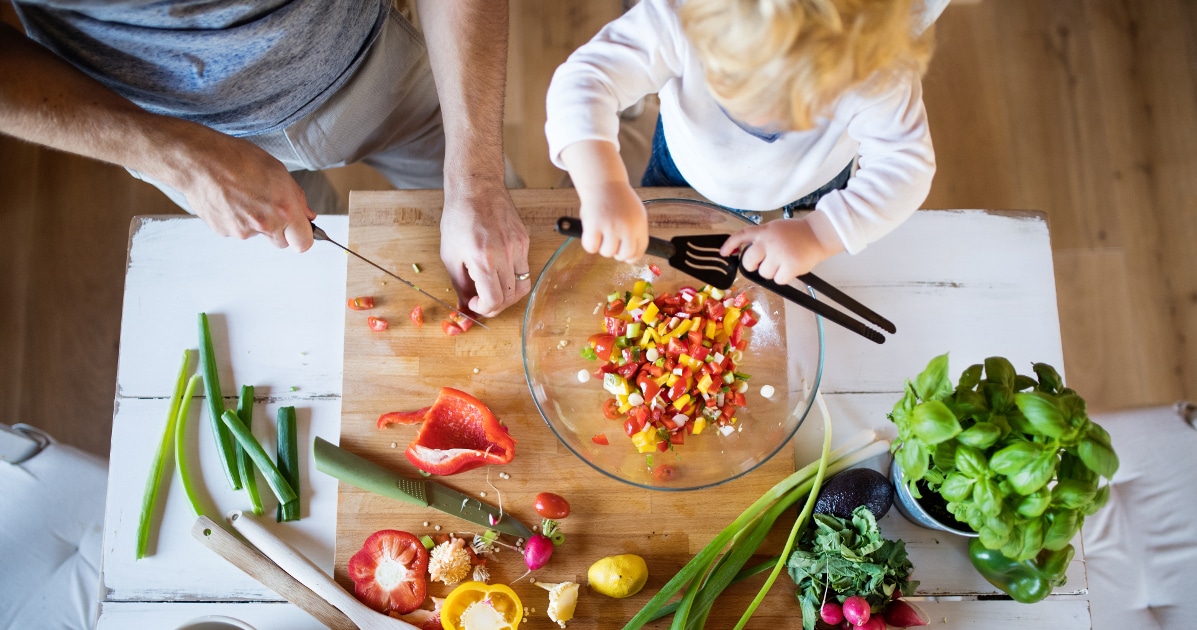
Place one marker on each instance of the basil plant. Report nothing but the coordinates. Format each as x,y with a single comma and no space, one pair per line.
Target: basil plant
1014,457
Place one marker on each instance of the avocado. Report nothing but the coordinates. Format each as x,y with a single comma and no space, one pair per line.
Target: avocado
853,488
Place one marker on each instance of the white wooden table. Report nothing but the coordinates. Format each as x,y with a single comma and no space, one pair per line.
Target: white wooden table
974,283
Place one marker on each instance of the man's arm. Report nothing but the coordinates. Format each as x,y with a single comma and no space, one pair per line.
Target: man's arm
237,188
483,242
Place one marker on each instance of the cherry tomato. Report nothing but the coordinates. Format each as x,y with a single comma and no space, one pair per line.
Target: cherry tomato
616,326
663,446
450,328
692,307
600,439
463,322
748,318
631,427
602,345
678,437
611,409
715,309
552,506
613,308
663,472
363,303
655,269
377,324
677,390
740,300
627,370
417,315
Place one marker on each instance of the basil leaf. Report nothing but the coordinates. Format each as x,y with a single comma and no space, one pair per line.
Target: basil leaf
1099,501
969,378
1024,382
1032,540
1015,457
987,497
956,488
1063,527
901,413
999,370
1073,494
981,435
970,461
933,383
944,456
1098,434
1035,475
1049,379
912,457
1042,413
992,539
1035,504
933,422
1098,457
1071,467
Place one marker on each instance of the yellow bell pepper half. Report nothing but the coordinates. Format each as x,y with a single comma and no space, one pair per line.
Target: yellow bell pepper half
481,606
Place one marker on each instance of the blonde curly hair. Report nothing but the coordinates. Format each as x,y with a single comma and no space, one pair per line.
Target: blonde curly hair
788,61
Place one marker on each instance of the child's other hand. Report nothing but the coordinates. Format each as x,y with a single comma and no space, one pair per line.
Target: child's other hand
614,222
780,250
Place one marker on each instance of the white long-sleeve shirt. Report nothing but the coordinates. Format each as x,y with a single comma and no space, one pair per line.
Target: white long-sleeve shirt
645,51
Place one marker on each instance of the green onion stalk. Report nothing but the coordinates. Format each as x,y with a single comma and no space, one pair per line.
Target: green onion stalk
154,481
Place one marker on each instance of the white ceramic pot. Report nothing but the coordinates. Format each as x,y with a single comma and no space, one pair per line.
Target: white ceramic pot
215,622
912,510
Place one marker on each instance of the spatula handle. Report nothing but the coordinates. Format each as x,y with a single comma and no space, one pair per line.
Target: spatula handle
569,226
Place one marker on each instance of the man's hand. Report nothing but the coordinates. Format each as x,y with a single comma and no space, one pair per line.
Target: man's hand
239,190
484,246
779,250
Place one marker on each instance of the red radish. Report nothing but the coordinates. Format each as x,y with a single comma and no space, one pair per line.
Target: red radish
832,613
856,610
388,572
874,623
902,614
537,551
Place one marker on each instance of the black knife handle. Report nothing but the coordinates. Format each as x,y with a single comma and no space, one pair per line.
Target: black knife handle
569,226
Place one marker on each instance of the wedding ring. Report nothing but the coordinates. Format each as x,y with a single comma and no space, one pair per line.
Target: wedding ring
523,276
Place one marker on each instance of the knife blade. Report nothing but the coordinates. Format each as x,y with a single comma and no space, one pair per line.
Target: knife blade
362,473
321,235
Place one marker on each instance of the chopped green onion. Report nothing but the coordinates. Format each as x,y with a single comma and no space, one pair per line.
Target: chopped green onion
490,536
150,496
589,354
274,479
288,462
612,297
224,442
742,376
182,462
427,541
245,467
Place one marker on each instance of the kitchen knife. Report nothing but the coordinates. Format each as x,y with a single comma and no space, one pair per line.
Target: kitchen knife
362,473
321,235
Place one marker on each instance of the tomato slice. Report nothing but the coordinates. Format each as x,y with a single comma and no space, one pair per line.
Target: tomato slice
748,318
388,572
451,328
550,505
611,409
417,315
655,270
363,303
715,309
628,370
602,345
616,326
600,439
613,308
740,300
377,324
675,347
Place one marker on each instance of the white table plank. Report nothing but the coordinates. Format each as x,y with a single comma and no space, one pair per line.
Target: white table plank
159,616
277,317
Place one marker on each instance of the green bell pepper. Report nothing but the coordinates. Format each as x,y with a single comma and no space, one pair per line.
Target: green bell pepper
1027,581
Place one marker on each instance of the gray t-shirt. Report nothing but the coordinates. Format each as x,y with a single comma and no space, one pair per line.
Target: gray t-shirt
241,67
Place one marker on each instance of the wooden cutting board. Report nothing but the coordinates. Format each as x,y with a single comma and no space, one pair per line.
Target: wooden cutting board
404,367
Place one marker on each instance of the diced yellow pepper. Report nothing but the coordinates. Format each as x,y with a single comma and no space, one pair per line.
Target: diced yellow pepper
729,319
696,323
681,329
624,407
662,380
671,379
704,384
636,302
647,338
709,333
638,288
681,402
650,314
645,440
699,425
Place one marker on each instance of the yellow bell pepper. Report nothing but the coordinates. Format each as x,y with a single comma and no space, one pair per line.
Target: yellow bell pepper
729,319
699,425
480,606
650,314
638,288
709,333
681,402
704,384
645,440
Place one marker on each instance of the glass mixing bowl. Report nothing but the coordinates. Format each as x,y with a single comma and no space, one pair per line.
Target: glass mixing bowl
785,351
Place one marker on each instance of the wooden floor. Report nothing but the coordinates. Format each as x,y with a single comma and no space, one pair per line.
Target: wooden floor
1086,110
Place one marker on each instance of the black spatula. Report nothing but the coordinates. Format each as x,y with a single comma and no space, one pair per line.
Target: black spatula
697,255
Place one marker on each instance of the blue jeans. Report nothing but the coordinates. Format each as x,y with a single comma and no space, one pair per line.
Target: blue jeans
661,172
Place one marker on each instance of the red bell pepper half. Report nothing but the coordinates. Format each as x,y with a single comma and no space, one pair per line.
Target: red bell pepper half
458,433
388,572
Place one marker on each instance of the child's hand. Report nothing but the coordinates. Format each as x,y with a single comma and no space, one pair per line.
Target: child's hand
614,222
780,250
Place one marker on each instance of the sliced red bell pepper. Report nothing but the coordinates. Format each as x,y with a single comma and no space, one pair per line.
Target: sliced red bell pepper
388,572
458,433
402,417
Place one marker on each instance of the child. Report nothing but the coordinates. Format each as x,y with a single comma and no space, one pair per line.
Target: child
764,105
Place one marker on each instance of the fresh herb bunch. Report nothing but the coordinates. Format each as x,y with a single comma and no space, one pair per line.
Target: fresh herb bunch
1014,457
841,558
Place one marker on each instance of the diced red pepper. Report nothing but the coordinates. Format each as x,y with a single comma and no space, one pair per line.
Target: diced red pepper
655,270
694,337
628,370
602,344
715,309
377,324
739,399
600,439
613,308
650,390
678,437
740,300
458,433
663,446
748,318
363,303
675,348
